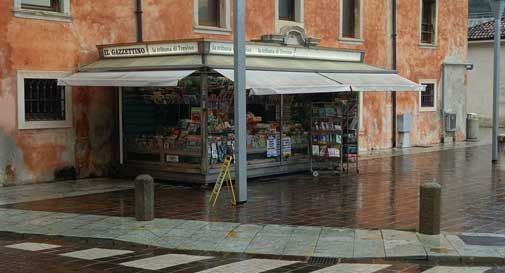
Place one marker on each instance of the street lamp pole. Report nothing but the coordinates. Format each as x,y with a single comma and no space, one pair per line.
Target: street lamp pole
240,102
497,7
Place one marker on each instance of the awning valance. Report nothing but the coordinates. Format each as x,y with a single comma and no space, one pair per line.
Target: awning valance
130,78
375,81
284,83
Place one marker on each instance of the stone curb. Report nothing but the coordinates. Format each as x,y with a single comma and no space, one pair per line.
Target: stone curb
114,243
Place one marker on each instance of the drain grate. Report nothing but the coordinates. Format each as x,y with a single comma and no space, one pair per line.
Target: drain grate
483,240
323,260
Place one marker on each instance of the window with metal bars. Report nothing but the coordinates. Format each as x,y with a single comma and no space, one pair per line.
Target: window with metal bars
46,5
428,21
44,100
428,96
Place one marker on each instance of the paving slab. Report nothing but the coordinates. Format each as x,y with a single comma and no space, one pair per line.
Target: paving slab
180,232
278,229
201,244
334,242
368,244
273,244
448,269
233,245
248,228
439,249
220,226
403,245
474,253
144,237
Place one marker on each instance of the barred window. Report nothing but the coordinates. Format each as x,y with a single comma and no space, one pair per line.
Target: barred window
46,5
428,96
44,100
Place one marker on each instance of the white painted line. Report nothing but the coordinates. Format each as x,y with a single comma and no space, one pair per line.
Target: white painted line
96,253
353,268
164,261
249,266
450,269
33,246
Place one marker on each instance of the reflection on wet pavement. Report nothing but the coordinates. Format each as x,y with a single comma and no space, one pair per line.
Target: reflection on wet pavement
383,195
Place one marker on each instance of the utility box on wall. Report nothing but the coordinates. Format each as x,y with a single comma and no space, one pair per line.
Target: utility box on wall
404,126
450,122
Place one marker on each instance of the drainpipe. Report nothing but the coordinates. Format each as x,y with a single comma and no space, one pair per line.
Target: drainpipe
394,67
138,16
442,105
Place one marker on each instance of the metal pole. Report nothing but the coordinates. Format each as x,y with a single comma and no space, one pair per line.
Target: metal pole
497,6
240,102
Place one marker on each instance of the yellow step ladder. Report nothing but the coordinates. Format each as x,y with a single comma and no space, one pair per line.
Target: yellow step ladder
223,177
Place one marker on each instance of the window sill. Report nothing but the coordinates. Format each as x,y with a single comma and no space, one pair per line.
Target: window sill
351,40
427,109
43,15
212,30
428,46
38,125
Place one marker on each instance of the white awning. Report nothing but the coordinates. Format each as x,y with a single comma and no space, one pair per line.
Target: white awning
375,81
277,83
133,79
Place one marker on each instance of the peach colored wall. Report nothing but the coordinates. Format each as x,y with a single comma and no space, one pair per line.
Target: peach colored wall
27,44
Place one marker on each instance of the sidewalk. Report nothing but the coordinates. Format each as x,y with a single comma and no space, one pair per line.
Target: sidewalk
44,191
272,240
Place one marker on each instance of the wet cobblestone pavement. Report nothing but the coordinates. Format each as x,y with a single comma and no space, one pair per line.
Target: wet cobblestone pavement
39,254
383,195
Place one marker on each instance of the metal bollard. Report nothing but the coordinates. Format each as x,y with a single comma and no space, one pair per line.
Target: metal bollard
144,198
429,209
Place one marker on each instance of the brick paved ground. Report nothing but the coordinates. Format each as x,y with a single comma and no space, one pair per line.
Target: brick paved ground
383,195
44,254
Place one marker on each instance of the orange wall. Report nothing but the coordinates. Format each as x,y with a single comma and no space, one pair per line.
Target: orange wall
27,44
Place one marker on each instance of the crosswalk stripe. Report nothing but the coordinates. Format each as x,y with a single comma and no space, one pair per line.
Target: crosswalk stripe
249,266
353,268
449,269
33,246
164,261
96,253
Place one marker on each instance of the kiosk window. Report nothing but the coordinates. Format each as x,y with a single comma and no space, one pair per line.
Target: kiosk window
163,124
